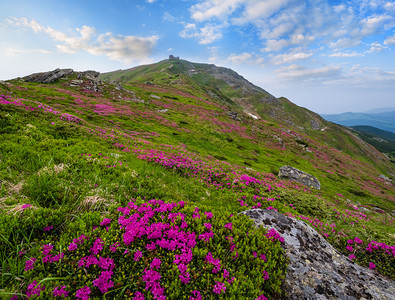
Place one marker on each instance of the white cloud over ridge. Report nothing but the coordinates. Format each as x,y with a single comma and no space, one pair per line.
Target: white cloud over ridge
302,73
121,48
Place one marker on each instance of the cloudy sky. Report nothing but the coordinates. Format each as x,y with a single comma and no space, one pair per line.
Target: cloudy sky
330,56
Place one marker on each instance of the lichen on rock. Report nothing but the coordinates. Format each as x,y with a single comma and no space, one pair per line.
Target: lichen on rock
316,270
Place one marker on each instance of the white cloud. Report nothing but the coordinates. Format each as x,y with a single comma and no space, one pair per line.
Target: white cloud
275,45
206,35
372,25
210,9
345,43
239,58
375,47
346,54
10,52
390,40
260,9
120,48
298,72
168,17
290,57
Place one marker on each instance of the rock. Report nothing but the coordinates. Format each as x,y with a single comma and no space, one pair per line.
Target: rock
154,96
76,82
233,115
48,77
287,172
90,75
316,270
385,179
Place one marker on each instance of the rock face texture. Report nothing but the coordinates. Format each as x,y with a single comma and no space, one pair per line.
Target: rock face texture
287,172
48,77
316,270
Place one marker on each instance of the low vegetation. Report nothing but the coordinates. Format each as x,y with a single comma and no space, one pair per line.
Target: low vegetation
122,195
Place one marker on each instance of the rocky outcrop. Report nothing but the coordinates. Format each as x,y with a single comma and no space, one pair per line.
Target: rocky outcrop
316,270
48,77
287,172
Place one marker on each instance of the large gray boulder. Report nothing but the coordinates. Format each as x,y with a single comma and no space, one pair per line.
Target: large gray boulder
316,270
48,77
287,172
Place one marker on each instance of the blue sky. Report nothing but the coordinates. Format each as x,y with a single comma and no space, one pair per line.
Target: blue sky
328,56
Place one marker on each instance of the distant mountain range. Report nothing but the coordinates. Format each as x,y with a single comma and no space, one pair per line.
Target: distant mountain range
378,118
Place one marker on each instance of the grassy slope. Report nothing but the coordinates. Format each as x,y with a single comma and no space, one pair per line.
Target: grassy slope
204,154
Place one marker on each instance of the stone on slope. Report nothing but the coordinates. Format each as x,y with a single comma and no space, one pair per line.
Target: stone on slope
287,172
48,77
316,270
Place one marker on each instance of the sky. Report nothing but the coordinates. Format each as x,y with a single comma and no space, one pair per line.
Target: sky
329,56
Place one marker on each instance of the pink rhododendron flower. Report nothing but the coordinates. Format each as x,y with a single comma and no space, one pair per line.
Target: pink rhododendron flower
219,287
228,226
138,296
351,256
48,228
83,293
105,222
358,240
196,296
34,289
155,264
72,247
60,291
29,263
372,266
138,255
265,275
349,248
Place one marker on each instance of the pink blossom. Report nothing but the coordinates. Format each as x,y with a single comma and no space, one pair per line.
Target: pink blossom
138,255
29,264
155,264
97,246
219,287
60,291
72,247
265,275
196,296
358,240
34,289
105,222
372,266
351,256
138,296
209,215
349,248
228,226
83,293
48,228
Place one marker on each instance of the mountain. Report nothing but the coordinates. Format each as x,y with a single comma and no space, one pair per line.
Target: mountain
382,120
380,139
131,184
241,98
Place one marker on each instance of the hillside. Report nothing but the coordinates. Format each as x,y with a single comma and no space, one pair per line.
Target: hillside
382,140
381,120
129,185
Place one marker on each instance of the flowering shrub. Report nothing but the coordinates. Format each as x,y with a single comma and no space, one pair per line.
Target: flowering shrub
156,250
